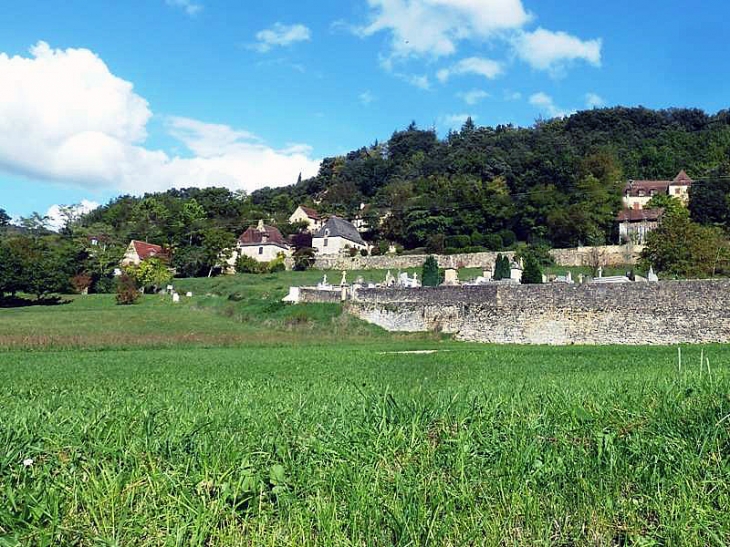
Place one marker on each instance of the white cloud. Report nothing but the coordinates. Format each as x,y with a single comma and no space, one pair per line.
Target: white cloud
473,97
58,215
65,117
420,81
553,51
512,95
366,98
471,65
455,121
190,7
434,27
546,105
281,35
594,100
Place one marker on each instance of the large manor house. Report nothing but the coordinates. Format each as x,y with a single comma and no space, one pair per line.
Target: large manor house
636,220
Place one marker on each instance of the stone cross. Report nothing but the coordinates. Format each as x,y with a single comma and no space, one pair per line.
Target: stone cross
344,278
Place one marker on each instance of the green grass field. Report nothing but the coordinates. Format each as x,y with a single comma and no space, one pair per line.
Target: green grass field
243,422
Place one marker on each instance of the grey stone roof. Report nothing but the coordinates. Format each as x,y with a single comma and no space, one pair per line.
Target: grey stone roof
339,227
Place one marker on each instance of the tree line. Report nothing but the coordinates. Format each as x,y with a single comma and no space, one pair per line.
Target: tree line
557,183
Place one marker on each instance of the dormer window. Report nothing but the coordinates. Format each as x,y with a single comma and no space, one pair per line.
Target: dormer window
642,193
326,232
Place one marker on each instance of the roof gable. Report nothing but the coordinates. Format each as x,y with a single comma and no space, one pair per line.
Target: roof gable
339,227
146,250
682,179
257,235
311,213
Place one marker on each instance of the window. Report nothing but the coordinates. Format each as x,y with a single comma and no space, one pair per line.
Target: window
261,250
326,232
325,242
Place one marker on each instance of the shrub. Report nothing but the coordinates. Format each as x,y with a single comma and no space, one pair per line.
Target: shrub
508,238
493,242
502,268
532,274
246,264
127,291
430,275
352,251
478,239
81,283
363,252
458,242
303,259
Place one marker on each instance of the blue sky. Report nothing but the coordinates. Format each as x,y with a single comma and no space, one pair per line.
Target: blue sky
103,98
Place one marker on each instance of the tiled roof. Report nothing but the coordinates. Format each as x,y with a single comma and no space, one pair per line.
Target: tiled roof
633,187
311,213
146,250
266,234
339,227
682,179
640,215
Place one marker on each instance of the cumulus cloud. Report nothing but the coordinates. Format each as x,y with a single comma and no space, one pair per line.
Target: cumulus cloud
594,100
188,6
472,65
546,105
59,215
366,98
280,35
65,117
421,81
553,51
435,27
473,96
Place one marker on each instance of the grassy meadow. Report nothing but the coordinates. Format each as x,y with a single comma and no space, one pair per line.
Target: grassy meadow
230,419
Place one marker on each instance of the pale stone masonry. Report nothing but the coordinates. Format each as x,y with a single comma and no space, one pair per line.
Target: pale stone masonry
670,312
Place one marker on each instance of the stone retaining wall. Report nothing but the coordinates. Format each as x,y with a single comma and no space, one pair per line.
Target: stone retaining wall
612,255
669,312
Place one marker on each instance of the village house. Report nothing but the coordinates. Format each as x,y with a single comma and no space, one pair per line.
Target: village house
262,243
637,193
336,236
635,220
307,215
137,251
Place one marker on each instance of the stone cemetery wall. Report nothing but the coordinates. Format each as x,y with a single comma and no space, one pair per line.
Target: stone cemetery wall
669,312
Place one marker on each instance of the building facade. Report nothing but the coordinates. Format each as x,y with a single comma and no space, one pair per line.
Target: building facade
337,236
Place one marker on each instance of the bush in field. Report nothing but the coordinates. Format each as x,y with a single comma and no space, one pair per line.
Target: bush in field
303,259
246,264
430,275
151,274
127,291
81,283
363,252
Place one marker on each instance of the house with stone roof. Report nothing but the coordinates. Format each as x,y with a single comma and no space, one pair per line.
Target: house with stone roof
307,215
262,243
337,236
138,251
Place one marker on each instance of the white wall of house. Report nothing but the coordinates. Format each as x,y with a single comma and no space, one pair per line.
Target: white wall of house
300,216
265,252
334,245
679,192
130,258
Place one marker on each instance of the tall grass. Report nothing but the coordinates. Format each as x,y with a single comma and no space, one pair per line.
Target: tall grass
353,445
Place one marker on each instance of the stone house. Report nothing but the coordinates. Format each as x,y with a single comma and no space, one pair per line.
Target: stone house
634,224
637,193
336,236
137,251
635,220
308,216
262,243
